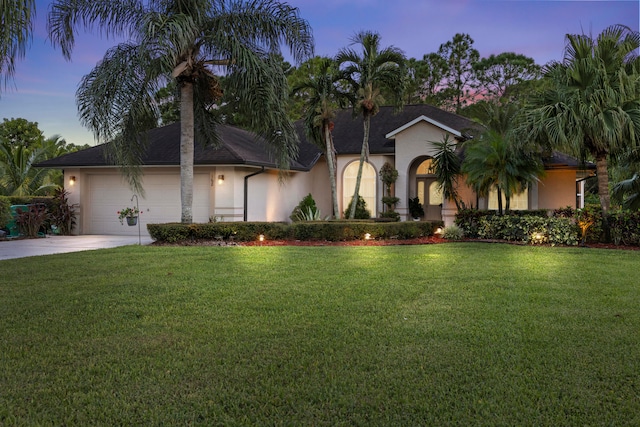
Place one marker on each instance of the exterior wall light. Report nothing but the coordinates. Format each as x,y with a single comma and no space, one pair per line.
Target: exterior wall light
72,180
220,179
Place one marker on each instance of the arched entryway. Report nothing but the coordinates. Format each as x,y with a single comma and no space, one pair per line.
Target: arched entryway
422,184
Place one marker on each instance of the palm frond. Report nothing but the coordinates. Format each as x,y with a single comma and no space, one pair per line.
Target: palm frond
15,33
111,18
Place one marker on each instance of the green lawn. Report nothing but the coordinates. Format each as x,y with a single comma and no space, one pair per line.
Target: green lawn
451,334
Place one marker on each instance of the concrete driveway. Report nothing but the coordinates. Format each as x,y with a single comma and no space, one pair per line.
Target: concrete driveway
10,249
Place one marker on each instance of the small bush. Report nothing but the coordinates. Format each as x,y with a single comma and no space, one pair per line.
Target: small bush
306,210
5,211
32,219
63,215
361,209
625,227
453,232
392,215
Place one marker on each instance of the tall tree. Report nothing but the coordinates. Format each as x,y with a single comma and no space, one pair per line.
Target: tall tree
323,98
424,79
497,73
592,104
460,56
15,33
368,74
186,41
21,132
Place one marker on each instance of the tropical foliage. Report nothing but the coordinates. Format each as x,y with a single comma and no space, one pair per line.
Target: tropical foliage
186,41
23,145
323,97
592,104
368,74
446,166
18,17
494,161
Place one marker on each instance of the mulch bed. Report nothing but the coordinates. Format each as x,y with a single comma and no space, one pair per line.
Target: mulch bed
389,242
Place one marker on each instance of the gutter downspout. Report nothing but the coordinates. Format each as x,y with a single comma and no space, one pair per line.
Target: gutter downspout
246,190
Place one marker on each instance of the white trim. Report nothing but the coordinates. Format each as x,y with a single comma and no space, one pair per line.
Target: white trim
392,134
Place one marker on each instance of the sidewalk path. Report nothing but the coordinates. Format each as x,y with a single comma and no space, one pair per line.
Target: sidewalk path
10,249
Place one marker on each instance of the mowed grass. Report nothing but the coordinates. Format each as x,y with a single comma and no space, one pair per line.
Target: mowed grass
451,334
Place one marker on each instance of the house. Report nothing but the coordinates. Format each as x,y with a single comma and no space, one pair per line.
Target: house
240,182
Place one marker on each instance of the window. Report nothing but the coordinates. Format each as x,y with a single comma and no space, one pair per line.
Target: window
367,186
519,202
425,167
435,195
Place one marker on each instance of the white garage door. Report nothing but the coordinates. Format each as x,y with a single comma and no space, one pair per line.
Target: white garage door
108,194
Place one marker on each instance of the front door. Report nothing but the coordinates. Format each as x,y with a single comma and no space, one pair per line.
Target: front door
430,197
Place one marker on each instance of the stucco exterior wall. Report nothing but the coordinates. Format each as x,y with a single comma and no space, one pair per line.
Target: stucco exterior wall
412,143
557,189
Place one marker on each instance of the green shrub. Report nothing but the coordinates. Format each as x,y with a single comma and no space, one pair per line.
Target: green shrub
5,211
361,209
306,210
529,229
391,215
332,231
453,232
224,231
625,227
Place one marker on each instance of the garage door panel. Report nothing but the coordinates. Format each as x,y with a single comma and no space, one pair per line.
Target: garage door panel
108,194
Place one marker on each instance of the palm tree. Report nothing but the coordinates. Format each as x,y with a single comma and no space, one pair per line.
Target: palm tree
368,75
493,161
592,106
446,166
18,176
323,97
15,33
183,41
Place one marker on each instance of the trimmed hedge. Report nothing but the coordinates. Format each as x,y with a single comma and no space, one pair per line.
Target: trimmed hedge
529,229
564,227
5,211
469,219
305,230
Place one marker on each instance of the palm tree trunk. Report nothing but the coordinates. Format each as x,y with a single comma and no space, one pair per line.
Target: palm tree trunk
332,170
364,154
186,151
499,201
603,192
603,183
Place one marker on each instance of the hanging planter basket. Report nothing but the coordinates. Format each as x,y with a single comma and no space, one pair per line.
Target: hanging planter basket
132,220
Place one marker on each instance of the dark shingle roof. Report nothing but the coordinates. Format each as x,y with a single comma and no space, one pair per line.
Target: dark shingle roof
239,147
348,130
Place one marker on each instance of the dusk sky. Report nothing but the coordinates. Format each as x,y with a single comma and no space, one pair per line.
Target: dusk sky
44,87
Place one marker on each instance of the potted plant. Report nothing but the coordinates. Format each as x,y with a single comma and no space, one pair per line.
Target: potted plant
415,208
131,214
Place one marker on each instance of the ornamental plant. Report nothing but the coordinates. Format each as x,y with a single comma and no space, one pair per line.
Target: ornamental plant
127,212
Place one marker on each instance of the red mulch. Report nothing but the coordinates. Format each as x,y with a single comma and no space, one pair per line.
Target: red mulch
389,242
